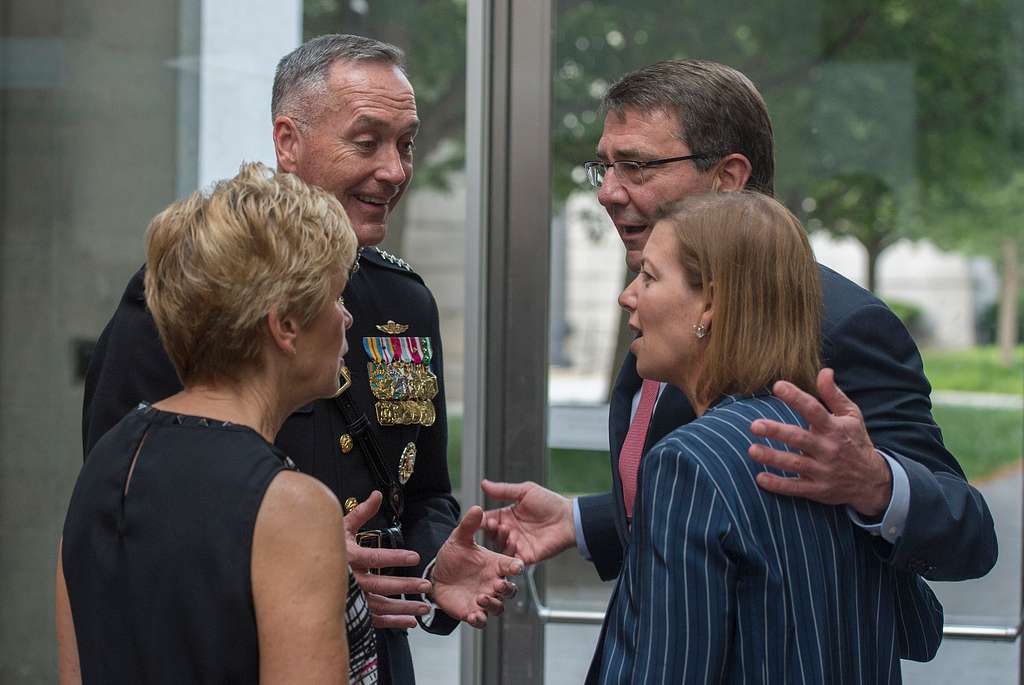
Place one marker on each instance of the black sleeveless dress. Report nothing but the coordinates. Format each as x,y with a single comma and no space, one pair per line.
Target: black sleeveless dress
159,579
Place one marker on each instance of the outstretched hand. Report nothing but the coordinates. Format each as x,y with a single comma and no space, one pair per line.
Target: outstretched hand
385,612
839,464
469,580
536,526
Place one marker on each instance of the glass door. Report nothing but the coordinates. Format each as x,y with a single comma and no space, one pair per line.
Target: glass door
899,150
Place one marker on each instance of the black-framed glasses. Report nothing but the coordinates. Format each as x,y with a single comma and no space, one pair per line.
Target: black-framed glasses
629,170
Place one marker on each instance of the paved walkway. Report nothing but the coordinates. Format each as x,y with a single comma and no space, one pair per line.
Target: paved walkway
993,600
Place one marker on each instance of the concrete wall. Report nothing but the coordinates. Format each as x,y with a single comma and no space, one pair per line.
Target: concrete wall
433,244
88,156
109,110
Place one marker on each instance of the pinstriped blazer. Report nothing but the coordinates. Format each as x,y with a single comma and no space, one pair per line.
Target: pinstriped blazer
726,583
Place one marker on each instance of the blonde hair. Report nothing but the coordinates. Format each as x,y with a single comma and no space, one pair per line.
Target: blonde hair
751,259
217,263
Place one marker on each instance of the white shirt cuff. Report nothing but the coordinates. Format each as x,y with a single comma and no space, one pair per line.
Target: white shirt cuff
428,619
890,528
577,521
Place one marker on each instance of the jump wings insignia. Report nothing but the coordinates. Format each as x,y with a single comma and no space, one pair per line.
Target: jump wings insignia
392,328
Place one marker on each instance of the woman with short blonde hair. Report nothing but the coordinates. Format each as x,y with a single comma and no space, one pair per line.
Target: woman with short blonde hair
192,551
218,263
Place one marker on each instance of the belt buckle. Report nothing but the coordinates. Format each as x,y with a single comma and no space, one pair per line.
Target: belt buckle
368,538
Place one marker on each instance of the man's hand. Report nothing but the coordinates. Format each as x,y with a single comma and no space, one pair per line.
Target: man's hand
839,465
385,612
538,524
469,580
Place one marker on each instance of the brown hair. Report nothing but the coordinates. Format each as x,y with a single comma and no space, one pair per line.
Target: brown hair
217,263
751,258
718,109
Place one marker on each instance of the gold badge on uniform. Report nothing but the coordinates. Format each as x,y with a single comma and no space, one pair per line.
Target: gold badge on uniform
407,463
392,328
346,443
400,377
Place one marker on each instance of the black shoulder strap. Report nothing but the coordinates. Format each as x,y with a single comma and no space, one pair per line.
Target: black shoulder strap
362,434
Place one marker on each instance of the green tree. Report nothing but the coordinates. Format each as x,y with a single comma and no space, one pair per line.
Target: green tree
986,220
860,206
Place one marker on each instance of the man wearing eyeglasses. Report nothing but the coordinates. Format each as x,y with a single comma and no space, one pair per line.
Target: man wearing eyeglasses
680,127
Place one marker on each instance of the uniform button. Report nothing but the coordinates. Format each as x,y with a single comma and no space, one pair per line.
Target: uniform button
346,443
350,504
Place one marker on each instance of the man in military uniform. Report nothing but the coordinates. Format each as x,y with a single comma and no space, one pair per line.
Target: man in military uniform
345,119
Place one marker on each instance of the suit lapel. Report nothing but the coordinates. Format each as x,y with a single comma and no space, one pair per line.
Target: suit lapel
673,410
625,388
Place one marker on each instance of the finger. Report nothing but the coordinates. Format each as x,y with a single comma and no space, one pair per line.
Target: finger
507,546
504,492
492,520
468,526
505,541
833,397
477,619
383,606
793,436
501,537
376,557
491,605
392,585
790,487
804,404
367,509
400,622
504,588
785,461
509,566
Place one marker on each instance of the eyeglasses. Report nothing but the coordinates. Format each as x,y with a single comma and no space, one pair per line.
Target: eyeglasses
629,170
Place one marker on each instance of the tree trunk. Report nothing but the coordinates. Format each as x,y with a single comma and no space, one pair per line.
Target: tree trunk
872,268
1008,297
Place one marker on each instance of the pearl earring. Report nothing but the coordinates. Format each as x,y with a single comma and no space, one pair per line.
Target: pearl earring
699,330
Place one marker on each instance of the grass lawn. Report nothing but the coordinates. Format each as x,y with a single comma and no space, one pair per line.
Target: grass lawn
976,370
982,440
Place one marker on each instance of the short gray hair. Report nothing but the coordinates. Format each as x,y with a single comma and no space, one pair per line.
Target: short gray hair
719,111
302,73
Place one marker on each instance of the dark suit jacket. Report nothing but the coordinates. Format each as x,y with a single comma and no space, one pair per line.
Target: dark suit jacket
130,365
725,582
949,533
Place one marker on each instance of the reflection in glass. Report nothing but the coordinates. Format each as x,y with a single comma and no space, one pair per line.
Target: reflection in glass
883,135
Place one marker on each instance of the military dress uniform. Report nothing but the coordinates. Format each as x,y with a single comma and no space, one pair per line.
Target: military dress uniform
397,382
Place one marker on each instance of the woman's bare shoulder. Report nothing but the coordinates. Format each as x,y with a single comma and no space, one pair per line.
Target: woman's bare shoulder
297,502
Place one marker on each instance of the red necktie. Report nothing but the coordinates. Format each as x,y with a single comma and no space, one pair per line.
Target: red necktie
633,445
